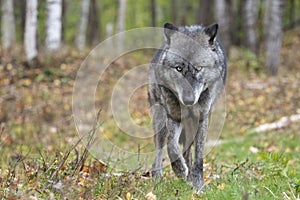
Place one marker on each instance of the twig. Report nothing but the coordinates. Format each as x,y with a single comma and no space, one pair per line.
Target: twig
91,140
286,196
12,173
239,166
281,123
84,154
44,161
2,129
62,162
227,166
76,160
271,192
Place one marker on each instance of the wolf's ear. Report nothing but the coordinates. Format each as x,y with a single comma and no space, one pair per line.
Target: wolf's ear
211,31
169,30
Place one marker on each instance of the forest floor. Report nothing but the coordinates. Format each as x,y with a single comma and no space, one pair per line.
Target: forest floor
40,156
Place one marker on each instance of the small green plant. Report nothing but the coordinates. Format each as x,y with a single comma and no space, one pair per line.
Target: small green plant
275,164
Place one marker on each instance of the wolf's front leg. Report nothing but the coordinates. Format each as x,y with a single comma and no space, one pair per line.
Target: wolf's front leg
197,169
159,139
177,161
187,155
160,131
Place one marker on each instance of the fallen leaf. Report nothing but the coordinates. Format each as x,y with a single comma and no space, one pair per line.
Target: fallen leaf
128,196
26,82
253,149
221,186
150,196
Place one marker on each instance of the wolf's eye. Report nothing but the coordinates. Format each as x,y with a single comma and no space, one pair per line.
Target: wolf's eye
199,68
179,68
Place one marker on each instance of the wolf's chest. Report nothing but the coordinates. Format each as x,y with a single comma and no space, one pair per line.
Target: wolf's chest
171,104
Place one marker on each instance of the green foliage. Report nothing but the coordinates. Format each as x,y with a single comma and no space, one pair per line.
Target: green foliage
42,16
295,183
108,14
138,14
71,20
247,60
274,163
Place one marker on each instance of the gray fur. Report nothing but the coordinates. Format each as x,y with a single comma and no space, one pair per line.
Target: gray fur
186,76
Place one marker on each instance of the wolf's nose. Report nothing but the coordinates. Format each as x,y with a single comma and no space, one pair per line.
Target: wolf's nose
188,101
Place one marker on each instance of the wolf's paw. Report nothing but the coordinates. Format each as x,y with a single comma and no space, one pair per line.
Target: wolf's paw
156,173
198,185
197,180
180,169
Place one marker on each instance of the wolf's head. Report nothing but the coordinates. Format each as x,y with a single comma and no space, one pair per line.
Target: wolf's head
190,61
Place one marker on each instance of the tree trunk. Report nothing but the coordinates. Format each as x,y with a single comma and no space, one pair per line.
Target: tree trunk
237,24
184,9
204,14
63,20
153,13
251,14
273,34
121,21
174,11
109,28
8,24
292,16
54,25
94,24
81,36
223,14
30,36
121,16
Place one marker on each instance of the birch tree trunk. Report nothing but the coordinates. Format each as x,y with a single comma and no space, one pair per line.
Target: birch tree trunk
273,33
8,24
251,14
109,28
54,25
121,15
223,14
121,21
81,36
30,36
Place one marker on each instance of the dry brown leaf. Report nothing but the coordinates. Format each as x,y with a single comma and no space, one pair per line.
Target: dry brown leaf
150,196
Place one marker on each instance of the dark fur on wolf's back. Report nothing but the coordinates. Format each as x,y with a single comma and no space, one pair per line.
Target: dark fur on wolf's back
186,77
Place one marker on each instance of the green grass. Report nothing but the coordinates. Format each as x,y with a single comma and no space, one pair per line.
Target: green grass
268,174
233,172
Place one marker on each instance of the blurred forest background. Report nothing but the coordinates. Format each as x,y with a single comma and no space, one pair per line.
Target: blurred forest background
44,42
47,26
